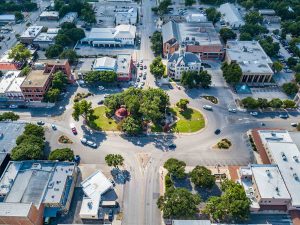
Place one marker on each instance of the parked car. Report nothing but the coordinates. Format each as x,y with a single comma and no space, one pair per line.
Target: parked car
171,145
53,127
145,67
294,124
83,140
283,116
138,79
40,123
217,131
91,144
73,128
253,113
232,110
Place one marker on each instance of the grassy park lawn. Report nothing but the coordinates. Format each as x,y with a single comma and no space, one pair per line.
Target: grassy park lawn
189,120
102,122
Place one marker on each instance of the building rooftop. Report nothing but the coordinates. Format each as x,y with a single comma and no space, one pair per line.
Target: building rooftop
45,37
196,17
120,31
69,17
36,78
7,17
58,62
126,16
231,13
269,12
49,14
196,33
187,57
104,63
15,85
36,181
7,80
123,63
285,154
250,56
10,132
32,32
14,209
269,182
53,30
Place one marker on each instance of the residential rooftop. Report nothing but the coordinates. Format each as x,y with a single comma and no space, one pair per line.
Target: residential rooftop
249,55
36,78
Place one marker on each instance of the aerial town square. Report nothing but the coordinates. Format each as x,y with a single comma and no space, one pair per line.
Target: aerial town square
150,112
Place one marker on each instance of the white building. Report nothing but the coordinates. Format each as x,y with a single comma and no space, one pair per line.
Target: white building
93,187
231,15
121,35
126,16
10,86
254,62
44,40
196,17
265,187
49,15
105,64
182,61
281,150
7,18
30,34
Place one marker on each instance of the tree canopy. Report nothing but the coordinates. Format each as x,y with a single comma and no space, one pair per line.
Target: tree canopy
9,116
227,34
157,68
62,154
84,109
182,103
131,125
156,43
175,167
30,144
213,15
114,160
290,88
179,203
70,55
193,79
94,77
232,73
202,177
19,53
232,205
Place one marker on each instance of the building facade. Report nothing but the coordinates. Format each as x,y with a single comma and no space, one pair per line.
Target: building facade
181,62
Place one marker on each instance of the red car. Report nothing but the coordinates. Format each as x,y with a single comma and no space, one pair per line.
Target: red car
74,130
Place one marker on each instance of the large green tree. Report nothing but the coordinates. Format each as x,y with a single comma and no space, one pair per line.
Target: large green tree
182,103
232,73
59,80
9,116
52,95
253,17
62,154
131,125
114,160
175,167
157,68
26,151
69,54
275,103
33,129
277,66
290,88
84,109
213,15
94,77
202,177
179,203
232,205
53,51
249,103
227,34
156,43
205,79
191,79
19,53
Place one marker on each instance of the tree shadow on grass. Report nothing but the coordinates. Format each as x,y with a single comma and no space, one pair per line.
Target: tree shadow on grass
183,183
187,114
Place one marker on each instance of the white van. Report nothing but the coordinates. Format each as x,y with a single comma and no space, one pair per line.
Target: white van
207,107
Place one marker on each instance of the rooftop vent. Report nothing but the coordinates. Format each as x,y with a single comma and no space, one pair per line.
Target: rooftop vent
283,156
268,173
90,205
296,158
295,175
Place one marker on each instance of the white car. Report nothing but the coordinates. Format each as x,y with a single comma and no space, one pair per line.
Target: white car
294,124
101,88
13,106
232,110
253,113
83,140
91,144
207,107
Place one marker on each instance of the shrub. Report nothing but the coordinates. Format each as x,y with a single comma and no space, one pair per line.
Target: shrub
224,144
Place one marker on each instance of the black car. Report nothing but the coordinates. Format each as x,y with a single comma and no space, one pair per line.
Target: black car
217,131
100,102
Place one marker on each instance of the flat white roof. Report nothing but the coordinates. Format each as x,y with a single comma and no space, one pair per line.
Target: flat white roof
250,56
96,184
269,181
105,63
45,37
89,207
15,85
49,14
32,31
231,13
285,153
7,17
123,63
7,80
